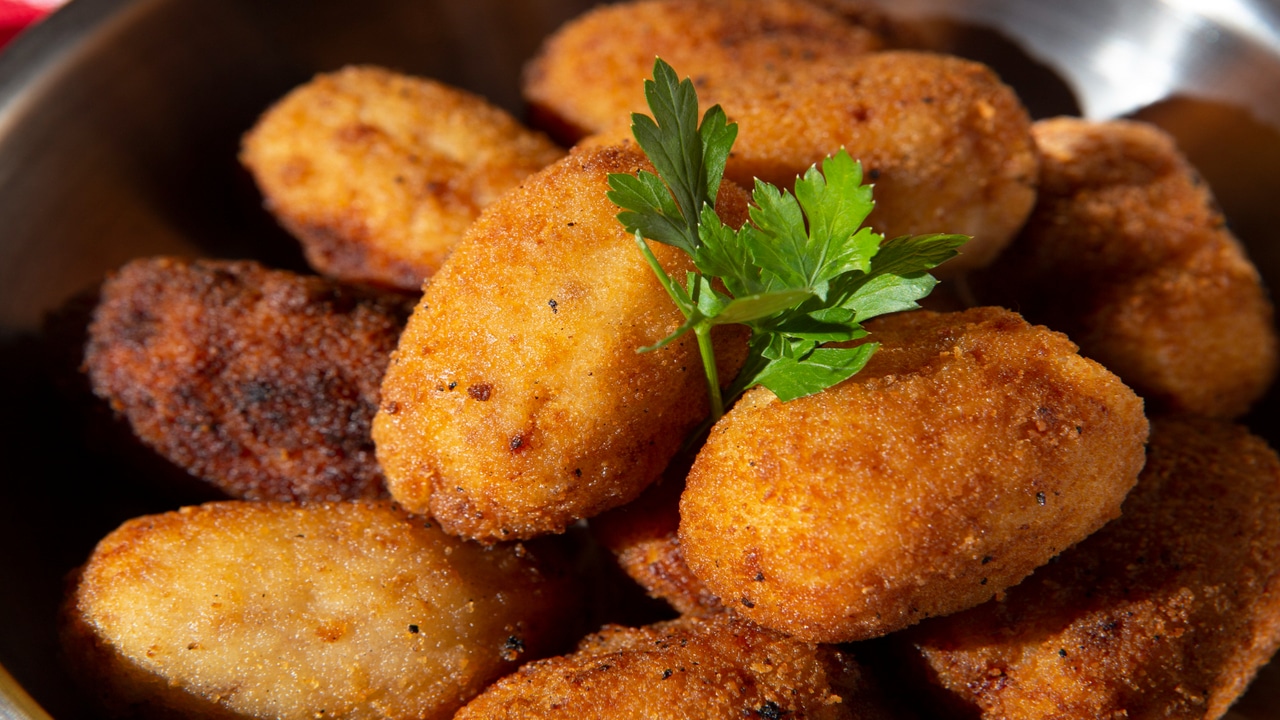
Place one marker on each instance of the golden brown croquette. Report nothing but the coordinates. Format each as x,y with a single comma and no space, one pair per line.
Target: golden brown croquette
253,610
516,402
1167,612
1128,254
970,450
686,669
946,143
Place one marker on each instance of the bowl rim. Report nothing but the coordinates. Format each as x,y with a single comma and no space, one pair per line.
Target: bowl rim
42,50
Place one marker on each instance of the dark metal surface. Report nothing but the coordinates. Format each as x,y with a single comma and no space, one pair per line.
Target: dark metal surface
120,121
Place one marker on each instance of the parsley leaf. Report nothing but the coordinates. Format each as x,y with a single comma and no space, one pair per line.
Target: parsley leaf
802,273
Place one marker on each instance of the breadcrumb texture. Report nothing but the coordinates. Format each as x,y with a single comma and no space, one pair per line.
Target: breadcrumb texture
1128,253
970,450
687,668
946,143
262,382
643,537
275,610
378,173
516,402
589,75
1167,612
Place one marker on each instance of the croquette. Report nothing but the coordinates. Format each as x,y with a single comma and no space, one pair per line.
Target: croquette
278,610
971,449
686,669
262,382
1128,254
1167,612
589,75
643,537
946,143
379,173
517,402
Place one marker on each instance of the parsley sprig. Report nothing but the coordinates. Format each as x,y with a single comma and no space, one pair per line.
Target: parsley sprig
803,273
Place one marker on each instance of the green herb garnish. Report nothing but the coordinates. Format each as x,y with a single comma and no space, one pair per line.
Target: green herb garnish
802,273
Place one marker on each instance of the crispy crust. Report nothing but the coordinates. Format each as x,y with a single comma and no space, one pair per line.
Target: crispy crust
947,145
1167,612
954,155
643,537
516,402
238,610
686,668
378,173
589,74
262,382
1128,253
971,449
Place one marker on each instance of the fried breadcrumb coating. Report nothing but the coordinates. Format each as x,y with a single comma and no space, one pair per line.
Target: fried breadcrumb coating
686,669
946,143
970,450
262,382
278,610
1167,612
378,174
643,537
589,75
1128,254
517,401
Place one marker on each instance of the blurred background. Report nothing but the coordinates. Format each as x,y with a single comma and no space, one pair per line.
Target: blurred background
16,15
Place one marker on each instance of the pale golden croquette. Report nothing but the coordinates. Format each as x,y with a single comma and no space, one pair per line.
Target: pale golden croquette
252,610
379,173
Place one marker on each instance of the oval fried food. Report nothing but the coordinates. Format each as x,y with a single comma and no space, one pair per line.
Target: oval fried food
1166,612
262,382
1128,254
275,610
971,449
643,537
589,75
682,669
947,144
517,402
378,174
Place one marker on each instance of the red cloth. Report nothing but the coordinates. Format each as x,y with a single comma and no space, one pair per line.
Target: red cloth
16,15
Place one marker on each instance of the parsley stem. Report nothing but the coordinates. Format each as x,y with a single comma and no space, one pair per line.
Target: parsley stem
703,331
663,277
801,273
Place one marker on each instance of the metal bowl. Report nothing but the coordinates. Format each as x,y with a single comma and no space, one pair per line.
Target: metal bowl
120,121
